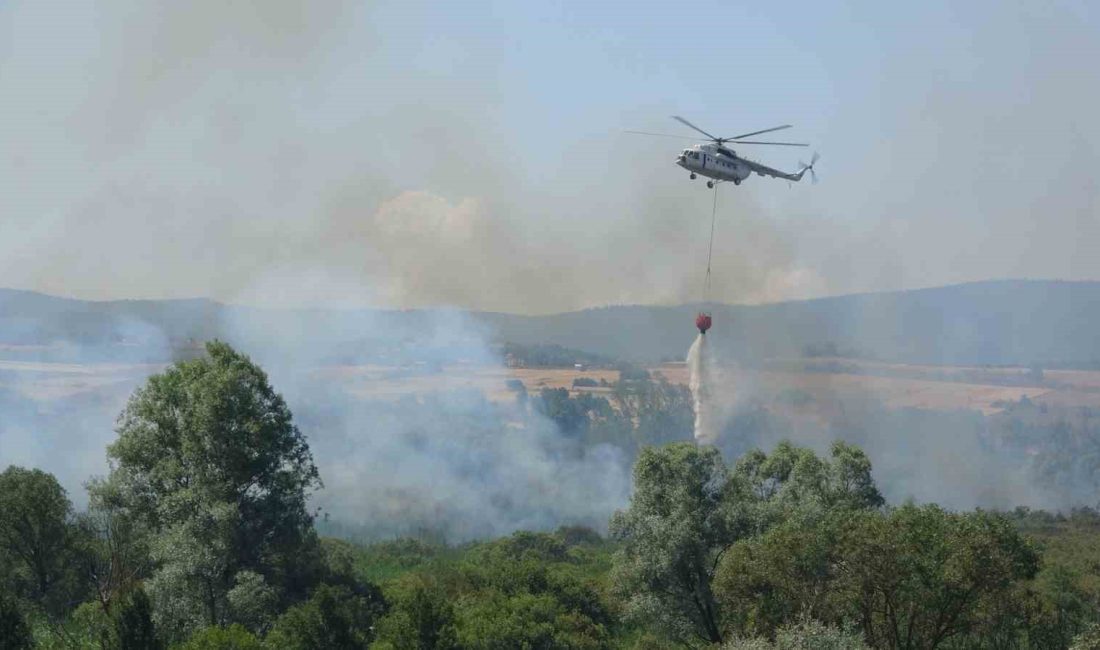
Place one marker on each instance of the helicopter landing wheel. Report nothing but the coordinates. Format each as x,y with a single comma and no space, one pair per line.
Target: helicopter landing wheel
692,176
710,183
737,181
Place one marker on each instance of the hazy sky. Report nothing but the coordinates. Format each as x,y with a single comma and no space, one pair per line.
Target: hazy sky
293,152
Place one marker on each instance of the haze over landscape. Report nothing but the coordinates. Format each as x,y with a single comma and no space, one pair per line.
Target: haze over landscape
391,155
365,324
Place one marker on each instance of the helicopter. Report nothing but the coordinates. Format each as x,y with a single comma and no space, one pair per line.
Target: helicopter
719,163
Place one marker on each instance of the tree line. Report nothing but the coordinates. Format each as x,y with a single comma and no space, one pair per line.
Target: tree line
201,537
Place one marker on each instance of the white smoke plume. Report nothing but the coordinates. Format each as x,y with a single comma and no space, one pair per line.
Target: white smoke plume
443,460
703,382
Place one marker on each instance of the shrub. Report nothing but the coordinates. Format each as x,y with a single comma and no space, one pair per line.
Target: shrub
234,637
333,617
806,635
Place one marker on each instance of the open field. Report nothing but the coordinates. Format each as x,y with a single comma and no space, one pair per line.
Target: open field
929,387
950,392
55,381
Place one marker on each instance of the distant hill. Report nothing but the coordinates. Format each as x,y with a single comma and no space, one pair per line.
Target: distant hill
1006,322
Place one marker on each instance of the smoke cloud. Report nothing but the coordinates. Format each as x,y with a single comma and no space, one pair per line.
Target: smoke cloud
293,153
445,461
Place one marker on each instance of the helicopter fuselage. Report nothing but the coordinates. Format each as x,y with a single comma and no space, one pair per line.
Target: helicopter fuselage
714,161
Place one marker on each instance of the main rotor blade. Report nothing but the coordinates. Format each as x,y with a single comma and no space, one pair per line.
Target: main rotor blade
784,144
686,123
774,128
664,135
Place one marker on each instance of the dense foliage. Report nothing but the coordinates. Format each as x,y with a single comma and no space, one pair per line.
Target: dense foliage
200,539
635,412
14,632
37,546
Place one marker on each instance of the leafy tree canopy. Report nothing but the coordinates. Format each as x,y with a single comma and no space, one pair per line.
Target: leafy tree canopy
804,635
333,617
920,574
209,462
233,637
36,538
688,510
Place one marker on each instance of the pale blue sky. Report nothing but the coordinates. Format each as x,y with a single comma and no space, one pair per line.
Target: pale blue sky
413,153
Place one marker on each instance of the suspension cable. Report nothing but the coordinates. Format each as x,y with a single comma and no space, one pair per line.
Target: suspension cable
710,246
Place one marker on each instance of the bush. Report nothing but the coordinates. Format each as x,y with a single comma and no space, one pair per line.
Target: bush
526,545
384,560
807,635
252,602
528,620
234,637
421,618
585,382
333,617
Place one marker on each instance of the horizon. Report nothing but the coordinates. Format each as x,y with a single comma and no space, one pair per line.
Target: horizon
447,308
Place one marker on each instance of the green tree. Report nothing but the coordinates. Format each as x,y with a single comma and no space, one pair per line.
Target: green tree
234,637
333,617
568,413
805,635
14,632
682,518
525,620
775,579
794,481
131,625
1066,612
252,601
36,535
918,577
655,412
422,619
208,461
688,510
115,552
527,590
528,575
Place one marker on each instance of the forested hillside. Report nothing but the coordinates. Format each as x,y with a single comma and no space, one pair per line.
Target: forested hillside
1011,322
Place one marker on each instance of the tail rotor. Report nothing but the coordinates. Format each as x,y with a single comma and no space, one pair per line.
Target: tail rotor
810,167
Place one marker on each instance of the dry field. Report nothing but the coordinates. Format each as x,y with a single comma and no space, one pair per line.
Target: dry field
384,382
54,381
931,387
948,391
